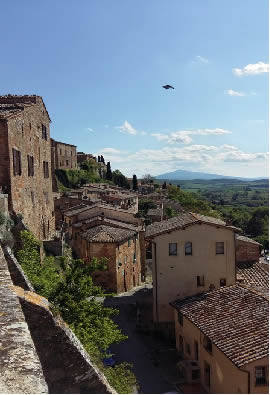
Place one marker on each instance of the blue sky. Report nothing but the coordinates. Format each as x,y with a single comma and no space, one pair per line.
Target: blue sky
100,65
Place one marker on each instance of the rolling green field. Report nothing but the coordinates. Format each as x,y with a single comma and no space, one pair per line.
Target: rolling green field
226,192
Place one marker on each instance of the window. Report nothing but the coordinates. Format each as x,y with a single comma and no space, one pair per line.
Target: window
207,374
45,169
222,282
220,248
188,348
71,153
67,162
260,375
134,257
32,197
188,248
128,242
17,162
200,281
180,318
207,344
44,132
172,248
60,151
195,374
30,161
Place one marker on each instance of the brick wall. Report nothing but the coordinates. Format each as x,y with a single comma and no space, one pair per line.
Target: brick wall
247,252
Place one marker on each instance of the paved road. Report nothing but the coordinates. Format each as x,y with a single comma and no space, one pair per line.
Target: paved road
152,370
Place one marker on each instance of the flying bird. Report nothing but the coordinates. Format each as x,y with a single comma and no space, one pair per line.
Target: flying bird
167,87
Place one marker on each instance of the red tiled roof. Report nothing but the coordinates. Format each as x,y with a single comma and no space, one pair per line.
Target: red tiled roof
181,221
234,318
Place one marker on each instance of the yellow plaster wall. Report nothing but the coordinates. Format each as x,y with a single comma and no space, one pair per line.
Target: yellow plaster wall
176,276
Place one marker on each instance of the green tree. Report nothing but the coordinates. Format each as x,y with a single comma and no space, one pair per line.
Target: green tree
134,182
109,172
258,223
119,179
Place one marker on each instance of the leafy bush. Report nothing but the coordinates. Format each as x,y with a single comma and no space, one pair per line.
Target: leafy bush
67,284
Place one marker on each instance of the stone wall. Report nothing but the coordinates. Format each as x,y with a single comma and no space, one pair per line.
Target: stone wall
29,195
20,368
49,358
66,365
64,156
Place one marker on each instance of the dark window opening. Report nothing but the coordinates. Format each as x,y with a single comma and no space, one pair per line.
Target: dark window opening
44,132
220,248
32,197
200,281
188,348
17,162
222,282
207,344
188,248
30,162
45,169
207,374
172,248
67,162
260,375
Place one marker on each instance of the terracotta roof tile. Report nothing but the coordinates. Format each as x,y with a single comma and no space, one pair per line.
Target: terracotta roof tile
180,221
107,234
246,239
234,318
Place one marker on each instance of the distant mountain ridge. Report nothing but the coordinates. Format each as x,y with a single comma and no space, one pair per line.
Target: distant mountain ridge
193,175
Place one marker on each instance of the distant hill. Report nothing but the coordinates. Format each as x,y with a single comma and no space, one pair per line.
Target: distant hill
193,175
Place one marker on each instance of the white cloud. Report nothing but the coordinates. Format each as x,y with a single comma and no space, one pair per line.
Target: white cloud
106,126
183,136
127,128
224,159
200,59
252,69
231,92
90,129
110,151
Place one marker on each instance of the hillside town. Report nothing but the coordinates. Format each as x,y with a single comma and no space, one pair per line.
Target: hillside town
188,282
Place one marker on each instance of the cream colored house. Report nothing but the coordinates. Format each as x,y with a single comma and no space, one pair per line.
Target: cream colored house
191,253
222,336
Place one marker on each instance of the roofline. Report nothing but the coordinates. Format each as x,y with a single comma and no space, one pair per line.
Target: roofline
112,242
198,222
60,142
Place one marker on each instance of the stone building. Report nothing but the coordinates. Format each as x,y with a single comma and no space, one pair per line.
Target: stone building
191,253
121,247
81,157
25,161
64,156
123,242
222,336
247,250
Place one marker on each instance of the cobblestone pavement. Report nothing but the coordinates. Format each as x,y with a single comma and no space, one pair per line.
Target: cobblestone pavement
154,361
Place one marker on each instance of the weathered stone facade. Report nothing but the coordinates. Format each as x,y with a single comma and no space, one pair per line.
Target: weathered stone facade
124,261
25,161
64,156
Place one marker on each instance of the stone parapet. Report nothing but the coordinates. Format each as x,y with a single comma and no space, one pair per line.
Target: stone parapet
20,368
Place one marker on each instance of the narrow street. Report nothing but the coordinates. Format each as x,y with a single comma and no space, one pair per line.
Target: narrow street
154,360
